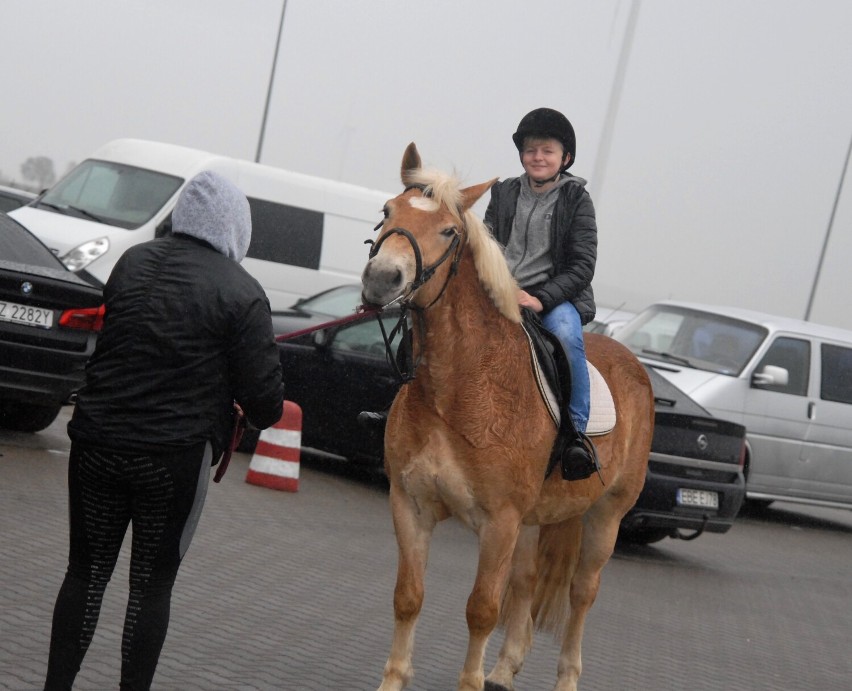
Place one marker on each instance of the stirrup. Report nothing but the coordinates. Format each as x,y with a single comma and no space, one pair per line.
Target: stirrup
580,460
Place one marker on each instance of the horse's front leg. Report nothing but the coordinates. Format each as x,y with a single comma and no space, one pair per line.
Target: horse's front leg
516,612
497,538
413,532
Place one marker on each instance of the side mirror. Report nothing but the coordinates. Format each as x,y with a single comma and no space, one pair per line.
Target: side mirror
772,375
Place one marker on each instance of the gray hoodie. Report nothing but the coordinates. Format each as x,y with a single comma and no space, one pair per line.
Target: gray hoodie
213,209
528,250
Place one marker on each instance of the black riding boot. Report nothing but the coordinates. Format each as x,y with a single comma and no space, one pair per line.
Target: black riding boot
576,456
578,460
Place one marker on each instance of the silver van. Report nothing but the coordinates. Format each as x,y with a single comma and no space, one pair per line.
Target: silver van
788,381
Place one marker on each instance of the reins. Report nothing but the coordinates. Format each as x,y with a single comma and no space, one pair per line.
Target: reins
361,312
421,276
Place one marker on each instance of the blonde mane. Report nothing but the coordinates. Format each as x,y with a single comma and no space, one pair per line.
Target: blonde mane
491,267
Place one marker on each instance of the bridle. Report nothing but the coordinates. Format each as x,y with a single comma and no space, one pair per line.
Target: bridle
421,276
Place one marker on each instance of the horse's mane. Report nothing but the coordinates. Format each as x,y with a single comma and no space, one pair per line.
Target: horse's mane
488,258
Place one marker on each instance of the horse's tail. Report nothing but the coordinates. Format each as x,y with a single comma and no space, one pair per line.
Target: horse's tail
556,561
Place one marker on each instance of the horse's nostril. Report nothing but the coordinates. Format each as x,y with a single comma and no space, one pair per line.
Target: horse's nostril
398,278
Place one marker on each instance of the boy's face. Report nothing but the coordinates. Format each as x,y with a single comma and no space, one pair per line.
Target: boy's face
542,158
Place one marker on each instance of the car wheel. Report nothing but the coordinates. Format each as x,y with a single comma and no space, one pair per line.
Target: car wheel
642,536
757,505
22,417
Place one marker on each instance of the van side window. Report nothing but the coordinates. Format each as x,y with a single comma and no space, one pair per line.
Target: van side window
794,355
285,234
836,381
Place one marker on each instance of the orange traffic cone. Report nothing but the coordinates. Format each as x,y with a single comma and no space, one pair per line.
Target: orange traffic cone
275,462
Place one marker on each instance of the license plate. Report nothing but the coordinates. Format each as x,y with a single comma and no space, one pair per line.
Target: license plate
26,314
698,497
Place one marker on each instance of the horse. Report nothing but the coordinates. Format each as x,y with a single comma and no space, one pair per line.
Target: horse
470,436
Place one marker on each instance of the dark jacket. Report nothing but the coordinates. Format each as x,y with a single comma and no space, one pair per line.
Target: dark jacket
187,331
573,242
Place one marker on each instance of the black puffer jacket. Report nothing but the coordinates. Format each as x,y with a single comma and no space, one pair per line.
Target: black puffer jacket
187,331
573,242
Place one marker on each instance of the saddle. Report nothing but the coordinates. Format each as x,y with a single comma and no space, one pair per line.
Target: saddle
553,376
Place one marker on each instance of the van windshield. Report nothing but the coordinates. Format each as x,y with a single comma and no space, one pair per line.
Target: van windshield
692,338
111,193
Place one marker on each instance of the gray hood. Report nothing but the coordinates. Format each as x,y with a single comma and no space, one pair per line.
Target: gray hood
213,209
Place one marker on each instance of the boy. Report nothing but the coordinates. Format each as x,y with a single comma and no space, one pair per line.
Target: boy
545,219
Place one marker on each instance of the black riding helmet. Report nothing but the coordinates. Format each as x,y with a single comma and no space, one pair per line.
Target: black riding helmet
547,123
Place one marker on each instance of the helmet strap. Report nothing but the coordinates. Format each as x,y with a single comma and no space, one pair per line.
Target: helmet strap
542,183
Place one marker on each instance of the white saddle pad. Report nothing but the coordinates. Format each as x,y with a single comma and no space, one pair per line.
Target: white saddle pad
601,410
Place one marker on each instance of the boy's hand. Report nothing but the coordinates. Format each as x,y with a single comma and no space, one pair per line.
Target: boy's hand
527,300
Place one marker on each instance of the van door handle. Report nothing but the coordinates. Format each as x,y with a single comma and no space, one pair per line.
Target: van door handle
811,410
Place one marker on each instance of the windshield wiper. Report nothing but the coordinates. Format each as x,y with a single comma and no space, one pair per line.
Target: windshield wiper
76,209
668,356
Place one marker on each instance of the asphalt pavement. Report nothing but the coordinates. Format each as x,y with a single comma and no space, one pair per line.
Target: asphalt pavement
293,590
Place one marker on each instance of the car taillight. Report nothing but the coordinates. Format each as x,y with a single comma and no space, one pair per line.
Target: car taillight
742,455
89,318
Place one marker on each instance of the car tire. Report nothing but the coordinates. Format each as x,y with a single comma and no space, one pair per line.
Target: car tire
22,417
756,505
642,536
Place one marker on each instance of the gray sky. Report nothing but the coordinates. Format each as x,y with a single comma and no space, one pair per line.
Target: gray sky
725,154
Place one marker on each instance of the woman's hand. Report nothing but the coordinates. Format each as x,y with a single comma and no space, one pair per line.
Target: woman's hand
527,300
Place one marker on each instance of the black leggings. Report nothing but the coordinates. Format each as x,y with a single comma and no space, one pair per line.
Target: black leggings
162,495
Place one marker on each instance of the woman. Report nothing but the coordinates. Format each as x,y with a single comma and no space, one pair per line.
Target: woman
187,332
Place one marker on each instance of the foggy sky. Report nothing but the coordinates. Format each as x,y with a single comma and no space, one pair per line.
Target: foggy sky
724,157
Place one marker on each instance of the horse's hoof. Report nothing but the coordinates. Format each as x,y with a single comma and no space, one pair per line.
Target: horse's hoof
491,686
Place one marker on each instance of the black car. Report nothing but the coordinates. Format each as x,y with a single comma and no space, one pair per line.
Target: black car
48,324
694,481
333,374
12,198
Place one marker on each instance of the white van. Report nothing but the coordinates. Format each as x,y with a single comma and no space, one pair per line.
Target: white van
308,233
788,381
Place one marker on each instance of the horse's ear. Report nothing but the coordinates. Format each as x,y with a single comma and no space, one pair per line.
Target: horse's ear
410,162
471,195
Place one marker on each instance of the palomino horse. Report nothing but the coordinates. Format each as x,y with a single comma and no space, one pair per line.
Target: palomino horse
470,437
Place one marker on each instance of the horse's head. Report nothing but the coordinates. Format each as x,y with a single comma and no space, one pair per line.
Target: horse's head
423,234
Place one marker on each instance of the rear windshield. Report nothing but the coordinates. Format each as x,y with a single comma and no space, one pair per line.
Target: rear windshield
692,338
112,193
19,246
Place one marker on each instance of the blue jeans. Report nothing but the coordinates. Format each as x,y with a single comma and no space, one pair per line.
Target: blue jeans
564,321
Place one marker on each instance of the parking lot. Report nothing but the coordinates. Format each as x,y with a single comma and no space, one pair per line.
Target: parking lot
286,590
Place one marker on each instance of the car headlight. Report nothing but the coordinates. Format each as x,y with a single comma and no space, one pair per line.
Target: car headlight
83,255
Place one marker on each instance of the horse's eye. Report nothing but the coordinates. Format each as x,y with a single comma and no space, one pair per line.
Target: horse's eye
385,212
449,232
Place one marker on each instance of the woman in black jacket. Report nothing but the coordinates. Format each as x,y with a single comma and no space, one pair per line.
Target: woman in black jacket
187,332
